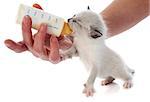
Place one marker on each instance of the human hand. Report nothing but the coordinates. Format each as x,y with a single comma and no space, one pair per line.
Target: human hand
41,44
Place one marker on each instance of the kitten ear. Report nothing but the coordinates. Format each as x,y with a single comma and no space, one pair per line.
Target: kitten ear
95,33
88,8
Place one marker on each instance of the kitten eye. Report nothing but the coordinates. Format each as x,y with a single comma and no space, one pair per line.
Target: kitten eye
98,32
95,36
95,33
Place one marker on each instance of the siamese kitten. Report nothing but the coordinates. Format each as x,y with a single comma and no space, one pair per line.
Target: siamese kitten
89,44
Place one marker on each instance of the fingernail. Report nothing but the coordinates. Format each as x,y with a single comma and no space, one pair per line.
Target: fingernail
54,60
26,20
43,26
6,42
26,17
8,45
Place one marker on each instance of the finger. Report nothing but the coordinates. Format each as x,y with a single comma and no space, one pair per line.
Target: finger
39,40
47,43
26,31
47,40
65,43
60,38
54,56
17,47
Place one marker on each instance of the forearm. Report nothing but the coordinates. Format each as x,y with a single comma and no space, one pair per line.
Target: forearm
121,15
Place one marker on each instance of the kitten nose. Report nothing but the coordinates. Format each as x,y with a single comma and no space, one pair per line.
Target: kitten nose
69,19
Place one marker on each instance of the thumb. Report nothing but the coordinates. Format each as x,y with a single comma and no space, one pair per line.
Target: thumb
17,47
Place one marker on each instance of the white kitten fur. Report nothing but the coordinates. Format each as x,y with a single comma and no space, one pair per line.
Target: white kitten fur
89,44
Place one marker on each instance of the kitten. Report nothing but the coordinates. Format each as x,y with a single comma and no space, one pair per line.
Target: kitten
89,44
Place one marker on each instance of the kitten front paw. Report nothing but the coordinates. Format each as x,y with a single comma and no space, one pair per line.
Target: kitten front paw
88,90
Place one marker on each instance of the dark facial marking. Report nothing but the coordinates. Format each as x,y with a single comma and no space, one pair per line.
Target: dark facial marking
97,34
88,8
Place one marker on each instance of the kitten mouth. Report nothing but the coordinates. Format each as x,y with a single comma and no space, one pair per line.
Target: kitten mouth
71,22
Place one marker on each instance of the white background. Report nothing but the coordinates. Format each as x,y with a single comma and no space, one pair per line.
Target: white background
24,78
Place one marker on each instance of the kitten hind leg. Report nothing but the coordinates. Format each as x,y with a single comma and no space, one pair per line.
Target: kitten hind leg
107,81
128,84
128,80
